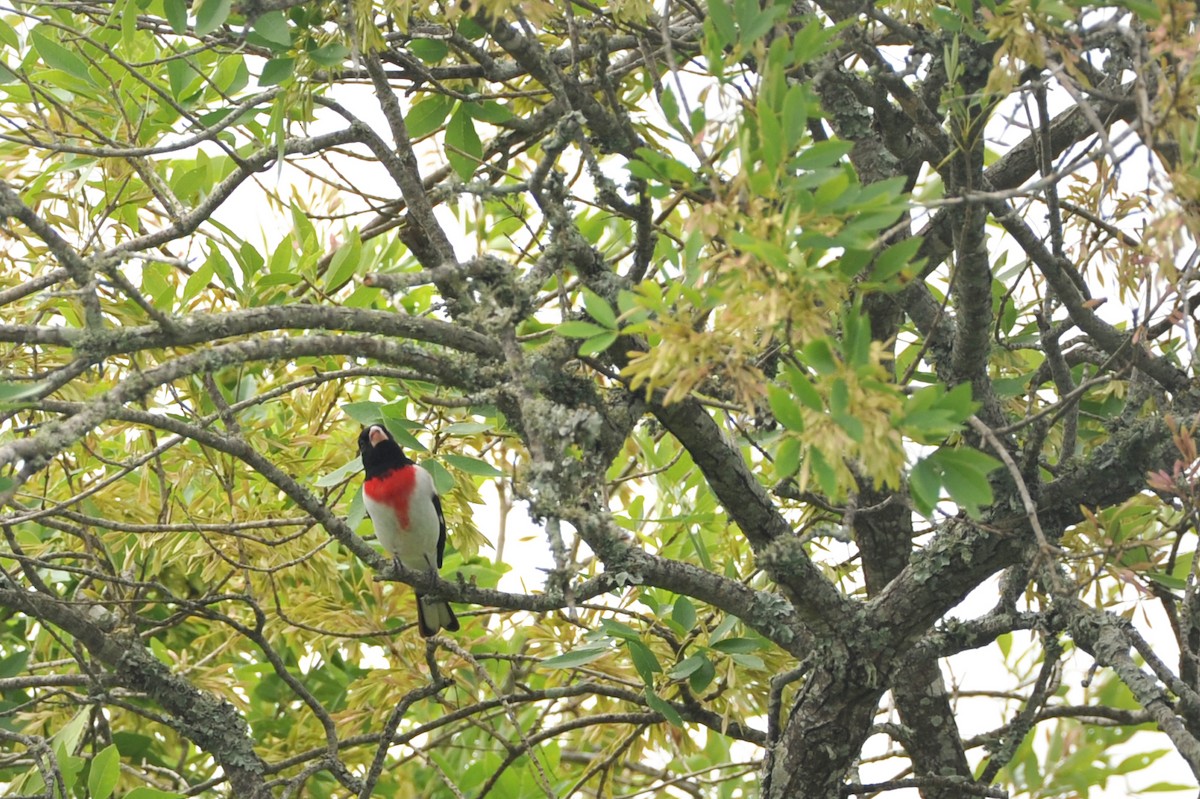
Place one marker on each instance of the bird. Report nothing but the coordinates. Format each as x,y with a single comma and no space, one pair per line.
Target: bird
407,514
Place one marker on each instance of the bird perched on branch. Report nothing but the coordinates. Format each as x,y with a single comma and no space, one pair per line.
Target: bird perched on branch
407,514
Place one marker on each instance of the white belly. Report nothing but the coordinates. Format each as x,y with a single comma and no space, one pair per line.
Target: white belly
415,547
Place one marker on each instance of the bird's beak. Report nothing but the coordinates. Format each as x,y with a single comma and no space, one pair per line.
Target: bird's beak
377,434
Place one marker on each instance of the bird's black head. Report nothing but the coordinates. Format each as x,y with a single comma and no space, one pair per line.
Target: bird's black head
379,450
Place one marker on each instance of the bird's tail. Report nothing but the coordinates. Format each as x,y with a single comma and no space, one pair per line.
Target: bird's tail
434,615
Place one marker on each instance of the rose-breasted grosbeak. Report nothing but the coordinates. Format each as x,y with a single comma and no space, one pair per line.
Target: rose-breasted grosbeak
407,514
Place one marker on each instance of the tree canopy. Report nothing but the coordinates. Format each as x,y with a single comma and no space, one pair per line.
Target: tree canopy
791,324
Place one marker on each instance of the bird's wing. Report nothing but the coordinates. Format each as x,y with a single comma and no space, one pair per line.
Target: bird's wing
441,544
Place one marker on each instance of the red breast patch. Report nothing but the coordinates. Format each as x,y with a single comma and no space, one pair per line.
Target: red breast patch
393,489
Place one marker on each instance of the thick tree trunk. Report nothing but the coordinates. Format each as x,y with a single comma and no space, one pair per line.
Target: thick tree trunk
824,735
884,537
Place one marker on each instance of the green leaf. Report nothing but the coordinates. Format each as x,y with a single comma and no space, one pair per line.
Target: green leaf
856,337
223,270
277,131
929,426
598,309
702,677
105,770
71,733
795,113
959,401
8,36
803,389
330,55
490,111
404,438
273,27
822,154
819,355
283,257
946,19
770,131
431,51
1147,10
787,457
755,21
853,261
576,657
660,705
892,260
463,147
579,329
345,262
56,56
669,105
839,404
198,281
968,491
176,14
738,645
925,485
470,29
276,71
619,629
364,413
146,792
427,115
180,76
1139,761
211,14
1166,580
720,14
473,466
358,509
701,548
964,474
232,75
443,481
749,661
785,409
11,394
278,279
966,458
687,667
825,474
723,629
597,344
644,660
15,663
69,766
684,613
339,474
466,428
